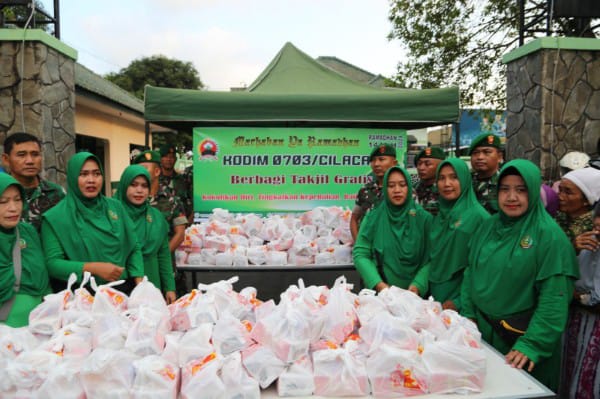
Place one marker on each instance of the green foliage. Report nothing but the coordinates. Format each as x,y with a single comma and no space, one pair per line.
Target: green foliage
461,43
20,14
159,71
156,70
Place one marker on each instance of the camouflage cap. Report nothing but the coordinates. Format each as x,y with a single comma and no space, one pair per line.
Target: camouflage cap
485,140
430,152
383,150
166,148
147,156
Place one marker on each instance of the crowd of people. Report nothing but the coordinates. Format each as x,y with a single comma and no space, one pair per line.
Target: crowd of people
493,243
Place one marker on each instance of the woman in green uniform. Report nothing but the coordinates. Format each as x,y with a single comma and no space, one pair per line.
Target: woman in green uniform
151,228
87,231
460,214
22,266
520,277
391,245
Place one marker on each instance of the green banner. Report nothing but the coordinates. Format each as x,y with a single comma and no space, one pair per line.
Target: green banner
284,169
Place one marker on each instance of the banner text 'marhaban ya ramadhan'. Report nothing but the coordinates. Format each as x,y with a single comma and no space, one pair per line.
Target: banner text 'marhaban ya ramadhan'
284,169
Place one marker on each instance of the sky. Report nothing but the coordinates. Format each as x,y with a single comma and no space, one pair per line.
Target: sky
229,42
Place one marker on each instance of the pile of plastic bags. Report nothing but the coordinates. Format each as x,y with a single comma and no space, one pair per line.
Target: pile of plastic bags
320,236
218,343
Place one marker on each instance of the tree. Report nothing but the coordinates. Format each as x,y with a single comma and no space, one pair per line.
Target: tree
160,71
461,43
16,16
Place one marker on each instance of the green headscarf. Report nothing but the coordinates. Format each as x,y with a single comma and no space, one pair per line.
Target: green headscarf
397,234
509,256
149,224
91,230
454,225
34,276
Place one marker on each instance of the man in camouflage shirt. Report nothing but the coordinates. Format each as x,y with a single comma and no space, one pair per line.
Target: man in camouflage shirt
170,180
426,193
165,200
23,158
486,157
382,158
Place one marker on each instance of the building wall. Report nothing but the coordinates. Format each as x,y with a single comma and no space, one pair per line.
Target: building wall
553,102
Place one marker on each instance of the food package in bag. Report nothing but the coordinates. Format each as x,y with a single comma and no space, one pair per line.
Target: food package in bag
14,341
146,336
191,310
46,318
254,241
340,314
276,258
395,372
224,258
262,364
147,295
109,330
325,258
79,310
108,373
240,260
257,255
303,245
155,378
171,351
297,379
342,254
308,231
195,344
273,228
300,260
63,381
332,216
196,259
369,305
452,368
200,378
217,228
219,242
71,341
231,335
293,223
385,329
238,384
326,241
314,217
251,224
225,299
238,239
338,373
283,242
196,243
107,298
26,373
221,215
343,234
407,306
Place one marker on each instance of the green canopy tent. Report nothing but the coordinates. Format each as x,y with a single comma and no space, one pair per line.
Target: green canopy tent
296,90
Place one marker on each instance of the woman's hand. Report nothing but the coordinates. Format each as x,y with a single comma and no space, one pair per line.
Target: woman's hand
413,288
449,305
519,360
587,240
107,271
138,280
380,286
170,297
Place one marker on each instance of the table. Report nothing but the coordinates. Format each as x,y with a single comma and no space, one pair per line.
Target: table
501,382
271,281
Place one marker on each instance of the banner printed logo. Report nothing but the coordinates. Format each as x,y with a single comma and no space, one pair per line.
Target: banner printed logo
208,150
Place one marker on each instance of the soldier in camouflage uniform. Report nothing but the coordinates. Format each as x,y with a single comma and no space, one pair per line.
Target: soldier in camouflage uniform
165,200
486,157
23,158
426,193
382,158
170,180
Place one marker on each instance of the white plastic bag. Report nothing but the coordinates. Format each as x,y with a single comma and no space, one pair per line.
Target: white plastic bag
63,381
200,378
146,336
107,298
108,374
395,372
238,384
262,364
155,378
46,318
231,335
195,344
147,295
338,373
297,379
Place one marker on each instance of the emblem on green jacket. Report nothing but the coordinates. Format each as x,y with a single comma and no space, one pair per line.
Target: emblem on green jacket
526,242
149,218
412,212
113,215
22,243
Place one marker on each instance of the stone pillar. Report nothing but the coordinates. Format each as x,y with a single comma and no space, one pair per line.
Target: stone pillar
37,94
553,100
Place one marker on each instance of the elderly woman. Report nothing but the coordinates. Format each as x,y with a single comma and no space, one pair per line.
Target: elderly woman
391,245
460,214
23,274
150,226
578,191
87,231
520,277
